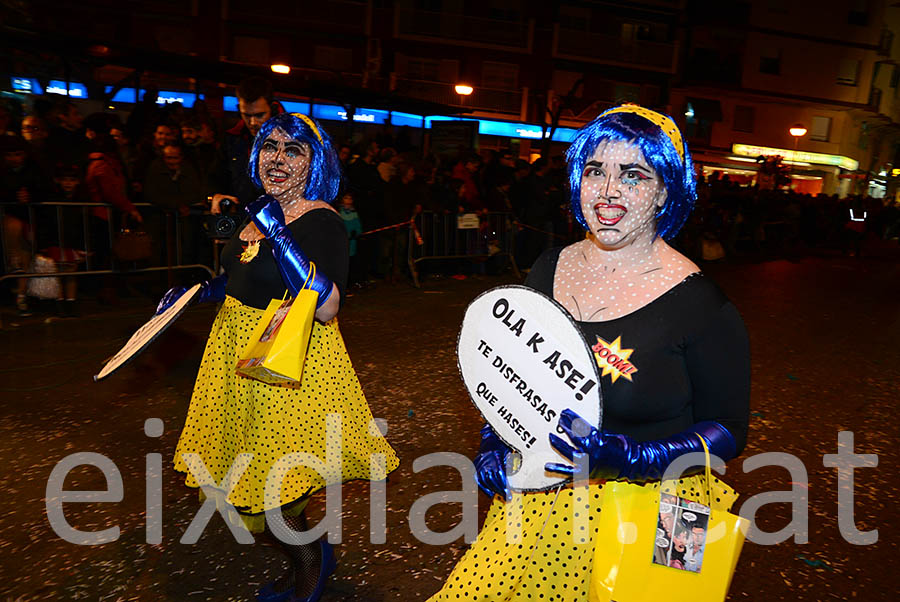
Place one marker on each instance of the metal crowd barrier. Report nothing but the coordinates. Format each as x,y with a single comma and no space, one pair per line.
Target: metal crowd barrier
438,236
170,237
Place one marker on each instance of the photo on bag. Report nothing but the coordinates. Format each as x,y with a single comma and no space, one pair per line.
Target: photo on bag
280,314
680,533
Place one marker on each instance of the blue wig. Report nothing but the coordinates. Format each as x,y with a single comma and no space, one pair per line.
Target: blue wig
658,149
324,177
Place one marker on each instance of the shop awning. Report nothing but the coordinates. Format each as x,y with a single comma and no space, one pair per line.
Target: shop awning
748,150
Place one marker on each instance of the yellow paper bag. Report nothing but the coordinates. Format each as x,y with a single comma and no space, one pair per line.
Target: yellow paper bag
640,553
277,348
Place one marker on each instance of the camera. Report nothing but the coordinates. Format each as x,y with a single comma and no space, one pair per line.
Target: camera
224,225
221,227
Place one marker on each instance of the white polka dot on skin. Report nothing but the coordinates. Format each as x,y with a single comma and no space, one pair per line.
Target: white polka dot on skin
622,265
289,159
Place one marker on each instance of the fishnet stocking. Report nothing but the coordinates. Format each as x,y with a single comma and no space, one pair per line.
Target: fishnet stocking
306,559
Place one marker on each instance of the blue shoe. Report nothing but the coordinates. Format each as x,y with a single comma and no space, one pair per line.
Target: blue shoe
329,563
268,594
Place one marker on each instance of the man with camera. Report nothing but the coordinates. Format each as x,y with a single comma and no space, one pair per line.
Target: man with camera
230,179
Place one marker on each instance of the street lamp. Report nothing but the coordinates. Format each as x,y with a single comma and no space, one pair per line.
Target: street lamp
281,68
463,90
797,131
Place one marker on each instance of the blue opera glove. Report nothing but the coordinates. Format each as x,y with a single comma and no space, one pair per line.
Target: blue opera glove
292,262
212,290
490,464
613,456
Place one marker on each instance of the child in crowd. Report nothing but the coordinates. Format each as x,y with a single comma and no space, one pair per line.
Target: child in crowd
70,251
354,229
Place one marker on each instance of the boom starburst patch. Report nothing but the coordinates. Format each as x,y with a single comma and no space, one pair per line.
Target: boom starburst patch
613,359
250,251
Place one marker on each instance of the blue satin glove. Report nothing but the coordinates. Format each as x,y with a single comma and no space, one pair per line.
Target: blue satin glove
614,457
212,290
490,464
293,264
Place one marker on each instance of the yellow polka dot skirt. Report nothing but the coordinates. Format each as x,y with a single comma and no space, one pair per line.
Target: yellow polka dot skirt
540,546
308,435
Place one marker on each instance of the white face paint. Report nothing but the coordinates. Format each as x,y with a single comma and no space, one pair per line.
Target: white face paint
284,166
622,266
620,195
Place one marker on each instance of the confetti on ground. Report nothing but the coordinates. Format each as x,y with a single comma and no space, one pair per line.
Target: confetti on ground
410,372
816,563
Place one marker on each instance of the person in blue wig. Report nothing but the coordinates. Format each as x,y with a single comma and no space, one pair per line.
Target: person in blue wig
671,349
275,437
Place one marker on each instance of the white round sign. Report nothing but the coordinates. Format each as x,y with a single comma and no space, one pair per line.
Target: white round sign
524,360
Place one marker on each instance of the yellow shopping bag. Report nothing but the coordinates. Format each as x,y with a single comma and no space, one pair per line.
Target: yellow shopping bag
651,546
277,348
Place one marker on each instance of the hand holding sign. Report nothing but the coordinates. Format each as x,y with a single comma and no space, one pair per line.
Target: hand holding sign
148,333
524,361
607,452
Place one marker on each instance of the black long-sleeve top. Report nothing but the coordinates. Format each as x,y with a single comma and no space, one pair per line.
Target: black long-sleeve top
319,233
690,360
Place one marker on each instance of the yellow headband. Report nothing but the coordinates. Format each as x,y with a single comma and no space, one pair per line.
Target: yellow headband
311,125
664,122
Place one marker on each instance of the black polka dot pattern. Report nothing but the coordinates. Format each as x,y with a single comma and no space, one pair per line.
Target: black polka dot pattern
230,415
533,548
664,122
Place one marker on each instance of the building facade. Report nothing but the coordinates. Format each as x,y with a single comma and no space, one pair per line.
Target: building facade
528,61
736,75
754,70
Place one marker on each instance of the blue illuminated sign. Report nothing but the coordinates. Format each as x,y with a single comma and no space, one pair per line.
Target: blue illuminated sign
319,111
366,115
186,98
75,90
230,105
398,118
336,113
294,107
124,94
487,127
163,97
27,85
509,129
326,112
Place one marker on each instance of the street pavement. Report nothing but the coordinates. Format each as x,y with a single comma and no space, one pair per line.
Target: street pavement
824,335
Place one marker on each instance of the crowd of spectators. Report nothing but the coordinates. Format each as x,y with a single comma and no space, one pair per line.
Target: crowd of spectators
740,220
186,164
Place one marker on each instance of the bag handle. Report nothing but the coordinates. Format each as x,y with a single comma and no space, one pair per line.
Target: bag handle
709,496
309,276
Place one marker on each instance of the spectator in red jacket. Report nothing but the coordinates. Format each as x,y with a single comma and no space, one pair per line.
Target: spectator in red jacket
106,183
466,170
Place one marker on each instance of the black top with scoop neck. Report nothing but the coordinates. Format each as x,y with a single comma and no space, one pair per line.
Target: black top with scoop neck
319,233
689,360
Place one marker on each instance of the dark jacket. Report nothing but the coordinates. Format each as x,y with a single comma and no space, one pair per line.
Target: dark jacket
231,174
170,191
